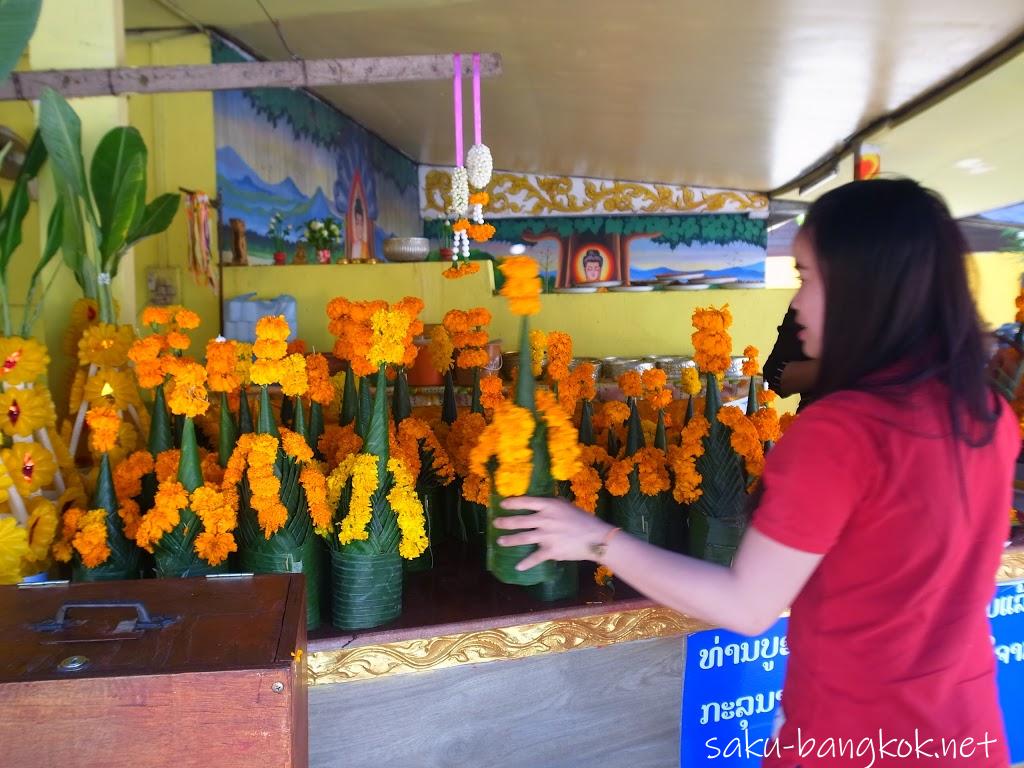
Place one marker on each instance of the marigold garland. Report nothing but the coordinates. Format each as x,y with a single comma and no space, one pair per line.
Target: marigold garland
90,540
586,487
690,381
265,487
522,285
584,374
188,396
711,340
563,439
750,365
414,431
460,269
631,384
314,483
744,439
538,350
462,437
766,422
652,467
222,365
477,490
559,351
318,375
507,439
683,460
338,443
362,471
408,508
295,445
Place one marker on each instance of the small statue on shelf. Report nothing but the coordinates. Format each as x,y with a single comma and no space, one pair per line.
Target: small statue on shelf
239,249
300,253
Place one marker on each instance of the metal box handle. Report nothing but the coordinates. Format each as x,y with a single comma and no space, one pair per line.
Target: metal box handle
143,621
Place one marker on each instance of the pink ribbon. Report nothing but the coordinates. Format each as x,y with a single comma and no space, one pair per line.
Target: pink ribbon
477,131
457,89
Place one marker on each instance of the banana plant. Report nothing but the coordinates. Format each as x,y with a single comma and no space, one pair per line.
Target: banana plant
12,217
105,213
18,20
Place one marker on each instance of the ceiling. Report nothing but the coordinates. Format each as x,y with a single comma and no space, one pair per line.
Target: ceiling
730,93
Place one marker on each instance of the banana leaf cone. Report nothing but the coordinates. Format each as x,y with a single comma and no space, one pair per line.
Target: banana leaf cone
290,549
366,576
502,561
160,438
660,436
349,400
299,423
752,403
689,410
475,405
123,562
366,407
401,402
718,518
316,426
287,411
245,422
565,585
175,554
587,424
635,430
614,446
638,514
449,408
227,435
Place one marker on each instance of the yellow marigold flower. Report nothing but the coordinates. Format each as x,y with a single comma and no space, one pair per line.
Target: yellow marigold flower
30,466
187,319
270,349
559,351
408,508
13,547
631,384
506,438
153,315
23,411
750,365
522,285
388,342
294,381
104,426
21,360
440,349
273,327
105,344
364,481
563,439
244,361
538,349
188,396
691,381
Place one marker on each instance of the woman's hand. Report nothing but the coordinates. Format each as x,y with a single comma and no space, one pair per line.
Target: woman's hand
560,530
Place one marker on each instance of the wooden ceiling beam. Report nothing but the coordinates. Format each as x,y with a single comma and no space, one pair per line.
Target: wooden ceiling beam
73,83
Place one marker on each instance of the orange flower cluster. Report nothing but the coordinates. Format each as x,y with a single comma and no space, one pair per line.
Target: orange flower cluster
652,473
264,485
314,483
785,422
711,340
273,363
603,576
171,498
460,269
394,332
218,511
147,353
222,365
559,355
128,476
350,324
750,365
418,433
166,464
744,440
295,445
586,487
477,490
522,285
87,532
683,460
766,422
321,390
491,394
468,336
441,349
766,397
104,427
188,396
656,392
479,198
631,384
462,437
612,413
338,443
584,373
481,233
297,347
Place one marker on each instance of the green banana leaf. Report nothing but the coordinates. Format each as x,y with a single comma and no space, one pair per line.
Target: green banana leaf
18,20
365,411
245,423
349,400
587,423
660,436
449,408
160,436
475,406
635,431
117,178
724,483
227,435
401,402
316,426
266,424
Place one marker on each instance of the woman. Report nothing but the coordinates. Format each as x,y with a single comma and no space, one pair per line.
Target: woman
882,513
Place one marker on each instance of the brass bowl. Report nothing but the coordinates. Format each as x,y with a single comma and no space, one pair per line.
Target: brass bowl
406,249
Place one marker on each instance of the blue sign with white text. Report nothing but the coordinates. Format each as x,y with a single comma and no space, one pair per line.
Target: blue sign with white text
733,685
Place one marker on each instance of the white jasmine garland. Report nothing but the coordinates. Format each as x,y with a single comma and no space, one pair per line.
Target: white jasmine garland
479,166
460,191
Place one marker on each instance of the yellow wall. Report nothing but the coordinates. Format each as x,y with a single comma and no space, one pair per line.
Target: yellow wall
178,130
996,280
601,325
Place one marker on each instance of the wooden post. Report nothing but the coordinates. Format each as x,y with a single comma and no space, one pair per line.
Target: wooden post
250,74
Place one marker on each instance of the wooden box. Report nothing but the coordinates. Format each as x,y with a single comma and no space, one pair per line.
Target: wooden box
163,672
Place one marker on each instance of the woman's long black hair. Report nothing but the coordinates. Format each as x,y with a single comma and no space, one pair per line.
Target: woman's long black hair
898,308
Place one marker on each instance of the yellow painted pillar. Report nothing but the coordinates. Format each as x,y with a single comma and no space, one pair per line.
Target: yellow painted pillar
78,34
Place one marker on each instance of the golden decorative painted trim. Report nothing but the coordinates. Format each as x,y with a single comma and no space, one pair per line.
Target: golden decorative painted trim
524,194
404,657
369,662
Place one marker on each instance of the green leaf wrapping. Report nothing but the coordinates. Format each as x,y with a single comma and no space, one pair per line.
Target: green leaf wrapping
123,562
641,515
587,424
287,412
190,473
365,411
160,438
564,585
349,401
635,434
449,408
752,397
660,436
245,424
525,394
433,512
316,425
366,588
227,435
300,425
266,424
401,403
723,485
475,404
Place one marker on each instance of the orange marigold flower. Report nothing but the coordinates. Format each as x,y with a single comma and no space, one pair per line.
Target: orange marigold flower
481,233
479,198
522,285
631,384
318,375
461,269
157,315
104,425
711,341
273,327
750,365
559,352
491,391
178,340
187,319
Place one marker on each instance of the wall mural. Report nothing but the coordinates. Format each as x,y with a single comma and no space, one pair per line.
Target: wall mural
282,151
527,194
574,251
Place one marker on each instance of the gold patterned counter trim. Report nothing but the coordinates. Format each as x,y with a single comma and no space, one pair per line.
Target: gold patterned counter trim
369,662
520,642
527,194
